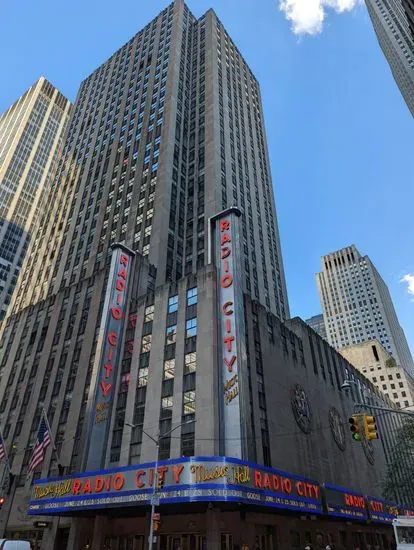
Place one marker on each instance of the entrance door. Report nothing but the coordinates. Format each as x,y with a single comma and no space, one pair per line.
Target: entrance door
182,542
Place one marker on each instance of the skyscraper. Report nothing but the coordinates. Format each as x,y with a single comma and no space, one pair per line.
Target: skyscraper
357,305
192,142
148,322
318,325
393,22
31,132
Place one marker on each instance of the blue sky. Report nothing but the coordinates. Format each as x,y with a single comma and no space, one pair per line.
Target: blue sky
340,135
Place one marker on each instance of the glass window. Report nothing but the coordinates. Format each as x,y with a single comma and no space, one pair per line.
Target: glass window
149,313
189,402
190,362
169,369
191,327
167,402
191,296
143,377
173,303
146,343
171,334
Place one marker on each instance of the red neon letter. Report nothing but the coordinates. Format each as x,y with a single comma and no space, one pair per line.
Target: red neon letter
123,260
225,308
105,388
225,252
116,312
118,482
228,340
112,336
120,285
77,484
177,470
226,280
224,225
138,481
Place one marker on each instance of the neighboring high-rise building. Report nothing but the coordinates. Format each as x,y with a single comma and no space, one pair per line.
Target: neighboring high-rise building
357,305
31,133
393,21
318,324
192,143
382,370
149,324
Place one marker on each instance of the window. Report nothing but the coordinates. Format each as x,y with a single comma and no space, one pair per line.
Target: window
143,377
167,402
190,362
173,303
171,334
146,343
189,402
169,369
191,327
149,314
191,296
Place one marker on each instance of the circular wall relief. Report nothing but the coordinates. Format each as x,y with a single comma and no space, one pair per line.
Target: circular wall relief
301,408
337,428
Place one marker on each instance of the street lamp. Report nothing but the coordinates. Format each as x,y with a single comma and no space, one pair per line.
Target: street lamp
156,440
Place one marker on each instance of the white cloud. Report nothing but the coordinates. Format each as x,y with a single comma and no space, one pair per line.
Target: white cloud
409,279
308,16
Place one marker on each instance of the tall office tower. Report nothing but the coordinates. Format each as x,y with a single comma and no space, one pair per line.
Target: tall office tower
357,305
31,133
393,22
318,324
165,134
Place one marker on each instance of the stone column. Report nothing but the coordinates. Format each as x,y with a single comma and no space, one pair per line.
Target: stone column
99,532
213,529
78,534
49,535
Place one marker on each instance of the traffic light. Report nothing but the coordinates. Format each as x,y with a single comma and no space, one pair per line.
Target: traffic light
160,481
370,427
354,427
2,500
156,520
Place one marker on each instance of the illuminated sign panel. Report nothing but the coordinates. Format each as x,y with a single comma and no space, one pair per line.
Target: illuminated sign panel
344,503
184,480
232,354
108,354
381,511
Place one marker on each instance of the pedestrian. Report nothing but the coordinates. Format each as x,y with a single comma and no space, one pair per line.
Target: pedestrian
244,546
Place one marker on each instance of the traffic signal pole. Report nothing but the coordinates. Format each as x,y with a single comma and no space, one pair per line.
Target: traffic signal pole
360,406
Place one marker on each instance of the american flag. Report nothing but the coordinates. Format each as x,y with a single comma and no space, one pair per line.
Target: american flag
42,443
3,452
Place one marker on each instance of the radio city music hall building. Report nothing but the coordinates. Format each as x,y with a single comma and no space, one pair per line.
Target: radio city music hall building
153,298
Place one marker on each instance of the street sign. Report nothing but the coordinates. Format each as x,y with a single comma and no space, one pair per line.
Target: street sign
42,524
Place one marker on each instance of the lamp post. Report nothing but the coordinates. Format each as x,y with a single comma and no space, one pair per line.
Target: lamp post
156,440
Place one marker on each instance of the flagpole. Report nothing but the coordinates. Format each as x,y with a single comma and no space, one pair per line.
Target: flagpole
51,436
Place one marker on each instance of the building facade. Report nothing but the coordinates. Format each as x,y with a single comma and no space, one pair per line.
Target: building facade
393,22
318,325
149,326
191,143
357,305
31,133
382,370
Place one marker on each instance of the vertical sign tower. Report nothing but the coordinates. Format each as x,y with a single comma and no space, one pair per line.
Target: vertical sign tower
101,396
224,243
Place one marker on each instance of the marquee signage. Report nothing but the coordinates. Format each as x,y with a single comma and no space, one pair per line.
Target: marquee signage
382,511
185,480
108,354
344,503
232,354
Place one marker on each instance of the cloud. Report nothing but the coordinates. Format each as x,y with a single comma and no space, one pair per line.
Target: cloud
308,16
409,279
